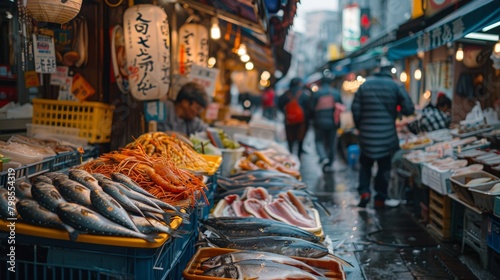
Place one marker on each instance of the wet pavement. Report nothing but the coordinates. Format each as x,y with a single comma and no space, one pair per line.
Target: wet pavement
382,244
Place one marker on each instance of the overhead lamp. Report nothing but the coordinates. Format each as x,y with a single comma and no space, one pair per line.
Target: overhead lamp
393,70
427,94
249,65
421,54
245,58
417,74
265,75
242,50
459,56
491,26
403,77
496,49
215,29
482,36
211,62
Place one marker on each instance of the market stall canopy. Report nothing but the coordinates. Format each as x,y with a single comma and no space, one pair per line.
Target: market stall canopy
472,17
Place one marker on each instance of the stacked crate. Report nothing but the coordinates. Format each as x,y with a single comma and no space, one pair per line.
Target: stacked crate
440,217
475,234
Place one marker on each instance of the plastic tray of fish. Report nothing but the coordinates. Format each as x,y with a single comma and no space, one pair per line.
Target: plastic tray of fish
331,268
462,183
318,230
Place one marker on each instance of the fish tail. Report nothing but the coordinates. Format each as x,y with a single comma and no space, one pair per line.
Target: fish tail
341,260
151,237
221,235
72,233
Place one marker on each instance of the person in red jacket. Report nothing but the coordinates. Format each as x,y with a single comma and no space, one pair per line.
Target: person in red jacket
268,103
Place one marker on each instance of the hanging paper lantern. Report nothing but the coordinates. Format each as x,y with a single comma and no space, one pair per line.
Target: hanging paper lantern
147,45
193,47
55,11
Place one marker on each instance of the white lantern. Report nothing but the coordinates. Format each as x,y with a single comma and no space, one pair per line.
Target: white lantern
193,47
55,11
147,44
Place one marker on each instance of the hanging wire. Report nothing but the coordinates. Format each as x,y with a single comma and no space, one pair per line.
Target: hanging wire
113,5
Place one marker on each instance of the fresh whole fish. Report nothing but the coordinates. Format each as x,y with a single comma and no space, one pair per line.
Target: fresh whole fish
255,227
56,177
75,192
42,178
259,174
266,185
7,206
261,270
33,213
23,188
111,209
84,178
124,179
238,256
87,220
135,195
149,225
47,195
126,202
229,184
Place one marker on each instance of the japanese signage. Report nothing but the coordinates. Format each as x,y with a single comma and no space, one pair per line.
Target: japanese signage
45,55
193,47
148,51
441,35
204,76
351,29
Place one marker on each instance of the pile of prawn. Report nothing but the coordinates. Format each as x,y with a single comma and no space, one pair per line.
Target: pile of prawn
173,148
157,175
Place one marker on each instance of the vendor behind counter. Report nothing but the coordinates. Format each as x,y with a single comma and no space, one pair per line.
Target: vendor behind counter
433,117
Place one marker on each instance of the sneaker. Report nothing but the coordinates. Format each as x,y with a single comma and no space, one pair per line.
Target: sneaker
364,200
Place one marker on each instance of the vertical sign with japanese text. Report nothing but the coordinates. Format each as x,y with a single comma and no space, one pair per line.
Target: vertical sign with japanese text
45,54
147,43
193,47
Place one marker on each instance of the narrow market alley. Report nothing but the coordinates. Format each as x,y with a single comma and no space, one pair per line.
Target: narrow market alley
383,244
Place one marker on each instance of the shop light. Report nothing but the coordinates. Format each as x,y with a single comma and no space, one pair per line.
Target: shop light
278,74
314,88
491,26
482,36
417,74
249,65
245,58
496,49
403,77
215,29
211,62
393,70
242,50
421,54
459,56
427,94
265,75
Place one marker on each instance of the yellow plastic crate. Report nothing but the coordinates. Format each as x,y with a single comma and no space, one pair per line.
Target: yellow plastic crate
94,119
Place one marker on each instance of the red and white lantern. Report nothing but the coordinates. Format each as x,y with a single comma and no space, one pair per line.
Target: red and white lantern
193,47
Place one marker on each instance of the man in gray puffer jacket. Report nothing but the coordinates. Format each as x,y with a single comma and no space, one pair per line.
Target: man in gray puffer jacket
374,110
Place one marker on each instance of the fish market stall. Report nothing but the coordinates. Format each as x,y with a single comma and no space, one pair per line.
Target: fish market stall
128,213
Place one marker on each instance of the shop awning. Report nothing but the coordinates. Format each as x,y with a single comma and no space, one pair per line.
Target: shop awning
369,60
469,18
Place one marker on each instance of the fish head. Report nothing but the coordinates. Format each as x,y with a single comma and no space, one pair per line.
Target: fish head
224,271
213,262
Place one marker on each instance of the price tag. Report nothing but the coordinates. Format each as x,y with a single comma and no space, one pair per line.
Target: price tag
204,76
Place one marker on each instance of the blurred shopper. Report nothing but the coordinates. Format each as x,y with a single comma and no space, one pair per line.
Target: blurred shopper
268,103
433,117
325,127
294,103
182,114
374,111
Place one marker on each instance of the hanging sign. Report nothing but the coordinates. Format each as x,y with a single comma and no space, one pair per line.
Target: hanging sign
45,54
147,46
206,77
193,47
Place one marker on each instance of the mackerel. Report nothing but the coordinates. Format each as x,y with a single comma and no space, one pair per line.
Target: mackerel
74,192
84,178
23,188
47,195
111,209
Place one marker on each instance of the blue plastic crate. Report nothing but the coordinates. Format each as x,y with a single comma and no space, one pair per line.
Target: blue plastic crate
42,258
90,152
29,170
65,160
493,236
204,210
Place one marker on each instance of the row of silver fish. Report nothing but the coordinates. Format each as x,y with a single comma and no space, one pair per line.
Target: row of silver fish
92,203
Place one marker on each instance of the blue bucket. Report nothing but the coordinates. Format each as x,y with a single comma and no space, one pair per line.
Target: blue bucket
353,155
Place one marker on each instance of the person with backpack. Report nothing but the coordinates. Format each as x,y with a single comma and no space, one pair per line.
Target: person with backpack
323,109
294,103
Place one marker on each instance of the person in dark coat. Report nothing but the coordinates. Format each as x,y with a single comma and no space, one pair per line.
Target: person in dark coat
322,113
295,133
374,110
